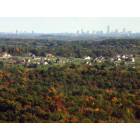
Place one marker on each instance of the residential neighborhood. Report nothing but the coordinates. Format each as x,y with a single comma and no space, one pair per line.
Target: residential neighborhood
32,60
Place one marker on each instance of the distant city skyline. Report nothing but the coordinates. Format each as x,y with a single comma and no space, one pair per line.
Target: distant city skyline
69,24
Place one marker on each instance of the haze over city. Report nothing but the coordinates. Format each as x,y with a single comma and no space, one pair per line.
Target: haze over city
68,24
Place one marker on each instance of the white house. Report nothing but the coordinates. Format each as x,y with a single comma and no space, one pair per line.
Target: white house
45,63
123,56
133,59
87,58
28,60
5,55
33,56
49,55
99,59
89,63
118,56
118,59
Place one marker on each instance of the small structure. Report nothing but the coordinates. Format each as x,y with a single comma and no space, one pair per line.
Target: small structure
43,61
87,58
124,56
118,58
133,59
61,61
5,55
28,60
89,63
22,62
49,55
99,59
33,56
125,59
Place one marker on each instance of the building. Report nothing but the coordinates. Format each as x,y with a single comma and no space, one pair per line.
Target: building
108,29
99,59
87,58
5,55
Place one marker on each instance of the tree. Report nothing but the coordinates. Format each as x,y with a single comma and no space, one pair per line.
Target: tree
1,64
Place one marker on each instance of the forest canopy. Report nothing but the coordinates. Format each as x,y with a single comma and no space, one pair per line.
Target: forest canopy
102,92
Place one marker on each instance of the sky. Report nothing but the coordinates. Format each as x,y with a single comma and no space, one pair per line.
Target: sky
67,24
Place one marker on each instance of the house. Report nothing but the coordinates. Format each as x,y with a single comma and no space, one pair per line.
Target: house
33,56
89,63
112,59
99,59
38,63
119,59
29,54
123,56
28,60
5,55
49,55
43,61
23,61
128,58
133,59
61,61
37,58
118,56
87,58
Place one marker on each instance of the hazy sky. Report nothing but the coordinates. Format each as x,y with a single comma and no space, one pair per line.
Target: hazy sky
67,24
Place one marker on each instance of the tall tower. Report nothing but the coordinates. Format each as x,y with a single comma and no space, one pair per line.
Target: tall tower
77,32
108,29
82,31
124,30
16,32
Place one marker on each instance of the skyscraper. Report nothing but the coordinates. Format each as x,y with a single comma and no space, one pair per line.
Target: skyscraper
16,32
124,30
77,32
108,29
82,31
116,31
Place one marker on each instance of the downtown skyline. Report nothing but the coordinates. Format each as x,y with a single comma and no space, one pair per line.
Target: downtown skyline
68,24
